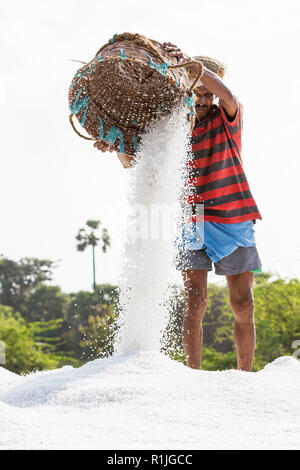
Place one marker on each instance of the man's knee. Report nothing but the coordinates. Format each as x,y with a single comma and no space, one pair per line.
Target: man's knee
197,293
243,307
196,303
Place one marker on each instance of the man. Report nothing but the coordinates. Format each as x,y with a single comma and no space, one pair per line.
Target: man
221,188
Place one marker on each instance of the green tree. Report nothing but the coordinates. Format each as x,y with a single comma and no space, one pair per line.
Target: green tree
218,320
83,306
98,336
26,350
47,303
277,312
18,279
90,238
172,336
214,360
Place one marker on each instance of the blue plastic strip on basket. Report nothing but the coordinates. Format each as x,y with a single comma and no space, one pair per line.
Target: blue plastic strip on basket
101,130
190,102
112,136
135,143
123,56
100,58
161,68
78,106
82,74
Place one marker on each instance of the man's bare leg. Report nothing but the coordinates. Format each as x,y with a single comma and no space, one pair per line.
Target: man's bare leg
195,285
242,304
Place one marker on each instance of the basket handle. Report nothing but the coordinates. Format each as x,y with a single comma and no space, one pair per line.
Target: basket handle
77,132
151,46
187,64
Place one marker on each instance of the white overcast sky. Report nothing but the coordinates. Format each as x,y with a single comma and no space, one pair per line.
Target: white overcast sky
52,181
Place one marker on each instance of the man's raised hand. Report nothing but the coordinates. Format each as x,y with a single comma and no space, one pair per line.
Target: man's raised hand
174,51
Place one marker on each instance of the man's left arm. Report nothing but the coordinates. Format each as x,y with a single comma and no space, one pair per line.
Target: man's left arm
211,81
215,85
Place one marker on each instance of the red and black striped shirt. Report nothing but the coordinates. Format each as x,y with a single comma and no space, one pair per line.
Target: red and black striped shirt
216,170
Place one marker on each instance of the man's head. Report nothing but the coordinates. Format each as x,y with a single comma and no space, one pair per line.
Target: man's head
203,97
204,101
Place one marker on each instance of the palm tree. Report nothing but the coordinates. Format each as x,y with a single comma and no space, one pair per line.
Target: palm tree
85,239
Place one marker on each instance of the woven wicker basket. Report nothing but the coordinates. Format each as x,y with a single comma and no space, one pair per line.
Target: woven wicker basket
130,83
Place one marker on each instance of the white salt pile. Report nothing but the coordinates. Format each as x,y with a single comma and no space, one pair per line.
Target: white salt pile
144,400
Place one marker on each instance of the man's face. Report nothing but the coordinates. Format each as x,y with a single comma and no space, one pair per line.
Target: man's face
204,101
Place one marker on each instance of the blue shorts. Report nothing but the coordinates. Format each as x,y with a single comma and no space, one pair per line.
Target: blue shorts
231,247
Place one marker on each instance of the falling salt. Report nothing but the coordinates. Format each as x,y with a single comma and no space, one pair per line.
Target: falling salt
154,187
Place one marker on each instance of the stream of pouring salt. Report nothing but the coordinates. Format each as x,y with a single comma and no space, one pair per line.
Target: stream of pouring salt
154,187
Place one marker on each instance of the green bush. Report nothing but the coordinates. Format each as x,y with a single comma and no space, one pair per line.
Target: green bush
24,348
